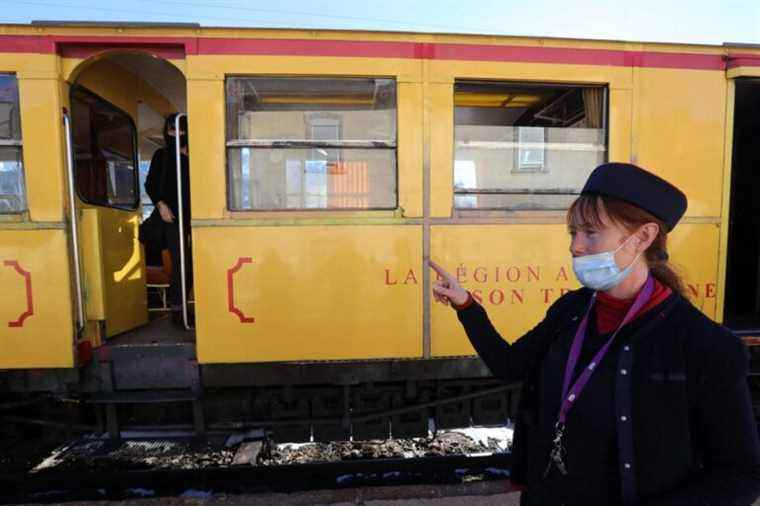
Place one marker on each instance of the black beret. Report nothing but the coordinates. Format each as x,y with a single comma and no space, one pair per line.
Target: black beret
639,187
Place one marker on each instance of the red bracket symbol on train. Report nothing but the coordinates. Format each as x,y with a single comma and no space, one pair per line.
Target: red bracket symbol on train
231,290
19,322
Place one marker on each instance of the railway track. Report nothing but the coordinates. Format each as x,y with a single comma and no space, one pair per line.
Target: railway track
57,486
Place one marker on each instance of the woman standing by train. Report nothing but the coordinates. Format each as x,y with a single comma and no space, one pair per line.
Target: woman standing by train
161,186
630,394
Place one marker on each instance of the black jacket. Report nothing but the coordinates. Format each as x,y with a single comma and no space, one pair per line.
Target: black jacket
161,181
669,405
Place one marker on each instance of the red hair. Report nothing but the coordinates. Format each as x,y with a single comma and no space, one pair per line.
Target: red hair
588,210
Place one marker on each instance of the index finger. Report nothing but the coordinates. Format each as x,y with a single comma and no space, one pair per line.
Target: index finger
441,272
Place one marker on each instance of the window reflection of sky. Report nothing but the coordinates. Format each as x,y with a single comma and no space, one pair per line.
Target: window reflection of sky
12,195
465,177
147,205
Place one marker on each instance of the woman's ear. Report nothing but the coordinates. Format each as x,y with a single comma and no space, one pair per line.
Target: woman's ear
646,234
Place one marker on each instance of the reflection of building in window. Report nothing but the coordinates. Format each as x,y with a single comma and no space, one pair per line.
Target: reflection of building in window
530,145
530,149
349,185
311,143
12,191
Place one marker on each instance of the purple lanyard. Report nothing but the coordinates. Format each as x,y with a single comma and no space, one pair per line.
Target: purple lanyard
569,395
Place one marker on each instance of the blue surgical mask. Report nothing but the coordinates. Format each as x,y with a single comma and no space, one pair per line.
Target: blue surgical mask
599,271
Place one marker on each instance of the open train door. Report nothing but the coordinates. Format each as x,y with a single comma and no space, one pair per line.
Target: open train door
109,147
102,156
742,293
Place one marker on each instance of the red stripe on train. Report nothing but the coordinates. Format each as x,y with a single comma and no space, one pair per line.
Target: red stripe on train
176,47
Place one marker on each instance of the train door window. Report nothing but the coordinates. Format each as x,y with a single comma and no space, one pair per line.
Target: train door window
525,145
12,190
311,143
742,303
105,152
150,138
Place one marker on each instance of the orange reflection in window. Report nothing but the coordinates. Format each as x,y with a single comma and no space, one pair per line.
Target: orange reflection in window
348,185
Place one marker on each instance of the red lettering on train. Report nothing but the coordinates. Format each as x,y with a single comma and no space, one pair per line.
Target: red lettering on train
500,297
546,292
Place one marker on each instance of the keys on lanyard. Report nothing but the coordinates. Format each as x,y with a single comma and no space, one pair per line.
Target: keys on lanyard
558,453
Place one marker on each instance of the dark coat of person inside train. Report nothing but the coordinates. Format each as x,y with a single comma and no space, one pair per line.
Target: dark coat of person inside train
161,186
630,394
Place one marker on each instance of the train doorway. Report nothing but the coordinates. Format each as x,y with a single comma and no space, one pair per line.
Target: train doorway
117,107
742,302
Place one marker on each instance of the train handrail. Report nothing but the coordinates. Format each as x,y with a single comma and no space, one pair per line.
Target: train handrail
180,218
74,226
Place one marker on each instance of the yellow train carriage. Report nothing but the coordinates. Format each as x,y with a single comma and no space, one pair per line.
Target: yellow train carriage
325,168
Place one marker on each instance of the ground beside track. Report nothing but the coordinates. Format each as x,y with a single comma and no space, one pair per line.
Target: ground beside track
490,493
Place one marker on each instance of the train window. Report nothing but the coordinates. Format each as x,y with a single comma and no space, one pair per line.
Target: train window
311,143
12,193
104,152
525,146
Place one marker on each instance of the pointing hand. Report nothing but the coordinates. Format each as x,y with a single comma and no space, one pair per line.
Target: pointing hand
448,289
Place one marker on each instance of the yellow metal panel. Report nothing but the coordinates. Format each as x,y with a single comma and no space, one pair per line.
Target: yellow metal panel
123,270
208,174
30,66
728,150
446,71
72,68
122,88
620,106
41,131
92,264
694,253
405,70
679,125
45,336
301,293
410,146
743,72
305,217
112,83
441,149
519,270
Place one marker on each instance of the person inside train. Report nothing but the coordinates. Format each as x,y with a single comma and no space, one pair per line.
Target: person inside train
630,394
161,186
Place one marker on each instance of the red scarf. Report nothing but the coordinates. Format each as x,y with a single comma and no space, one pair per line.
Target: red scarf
610,311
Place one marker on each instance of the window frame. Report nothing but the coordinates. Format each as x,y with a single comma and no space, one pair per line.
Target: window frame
135,155
605,86
18,144
253,144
